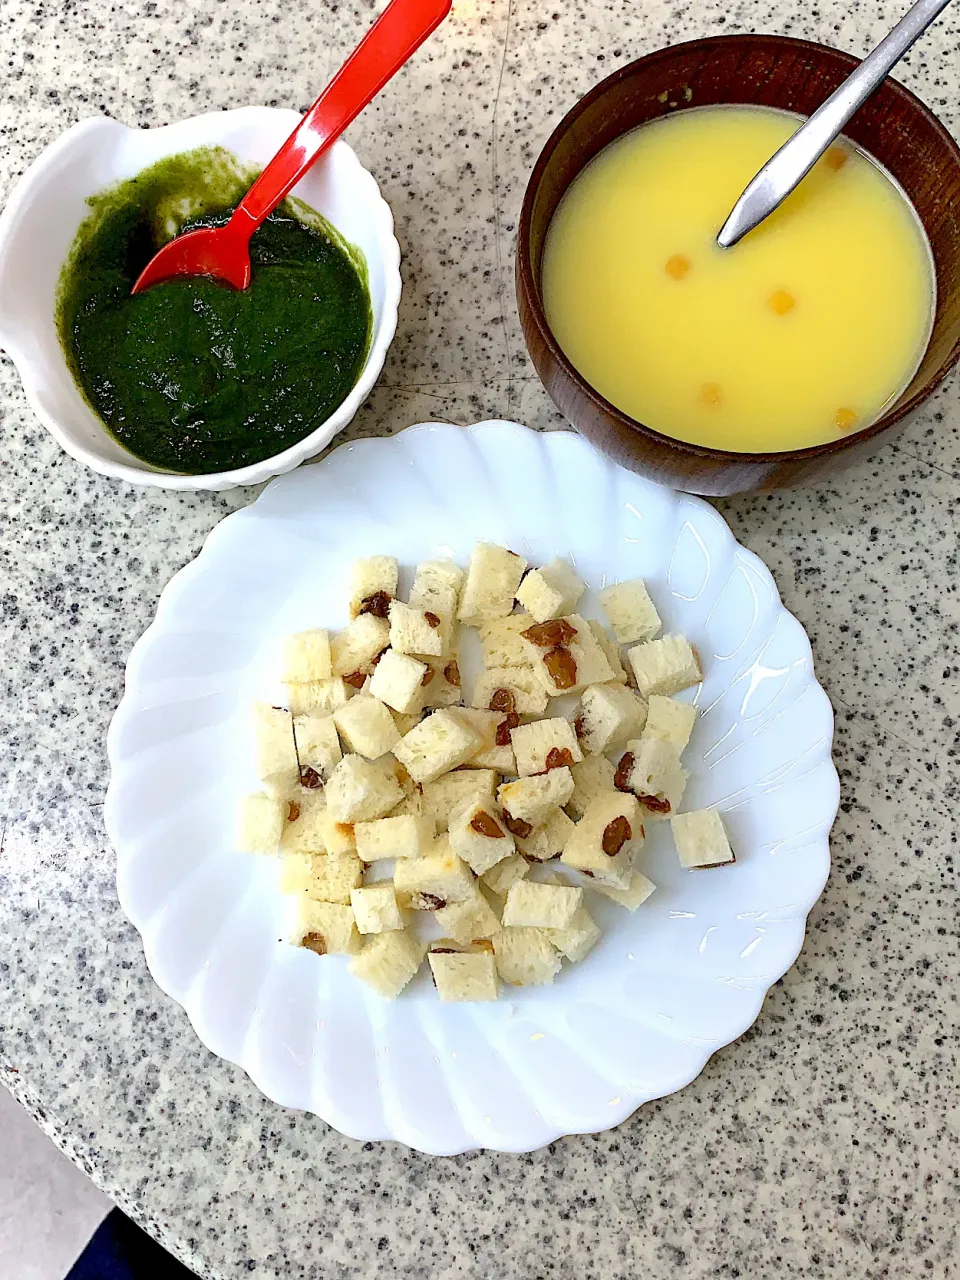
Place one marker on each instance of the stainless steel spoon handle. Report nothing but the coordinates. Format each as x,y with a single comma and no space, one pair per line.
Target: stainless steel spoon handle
796,158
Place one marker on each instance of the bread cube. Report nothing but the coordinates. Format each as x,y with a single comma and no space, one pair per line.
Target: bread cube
489,726
671,720
610,714
373,583
469,920
503,644
651,769
333,877
394,837
526,957
591,776
499,878
354,648
603,843
375,908
415,631
306,657
338,837
545,745
427,884
277,765
550,592
479,837
453,791
664,666
304,828
389,961
441,684
638,890
566,655
437,745
318,747
359,791
461,975
319,698
398,681
521,683
540,906
436,589
366,726
532,799
260,823
578,938
327,928
701,839
632,613
491,584
611,651
546,841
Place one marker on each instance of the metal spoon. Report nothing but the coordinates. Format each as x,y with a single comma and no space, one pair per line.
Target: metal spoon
784,170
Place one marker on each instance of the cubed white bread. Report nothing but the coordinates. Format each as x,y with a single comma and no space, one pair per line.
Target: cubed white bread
664,666
436,589
638,890
366,726
604,841
441,684
260,823
398,681
412,806
540,906
375,908
593,775
452,791
610,714
277,765
408,721
359,790
304,827
415,631
370,577
407,784
296,872
547,840
545,744
427,884
354,648
499,878
318,699
526,957
502,643
337,836
394,837
478,836
652,770
318,744
701,839
306,657
532,799
328,928
671,720
328,877
632,613
567,666
461,976
437,745
550,592
469,920
389,961
491,584
486,725
522,683
611,651
579,937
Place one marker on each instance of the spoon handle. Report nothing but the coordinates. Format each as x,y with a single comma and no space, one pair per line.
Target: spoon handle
784,170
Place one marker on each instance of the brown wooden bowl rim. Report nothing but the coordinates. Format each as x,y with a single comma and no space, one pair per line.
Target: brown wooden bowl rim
532,290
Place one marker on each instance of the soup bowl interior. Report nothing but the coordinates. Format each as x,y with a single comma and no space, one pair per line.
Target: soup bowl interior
771,71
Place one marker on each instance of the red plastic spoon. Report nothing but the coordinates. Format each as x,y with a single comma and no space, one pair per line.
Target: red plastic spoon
224,252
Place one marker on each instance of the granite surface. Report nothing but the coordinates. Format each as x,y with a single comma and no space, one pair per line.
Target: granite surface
826,1140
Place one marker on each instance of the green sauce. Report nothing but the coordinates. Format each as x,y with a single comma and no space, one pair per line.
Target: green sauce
193,376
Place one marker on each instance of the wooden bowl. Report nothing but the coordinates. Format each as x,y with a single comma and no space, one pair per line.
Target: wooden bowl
773,71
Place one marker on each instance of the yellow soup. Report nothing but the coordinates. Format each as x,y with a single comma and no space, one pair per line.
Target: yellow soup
800,334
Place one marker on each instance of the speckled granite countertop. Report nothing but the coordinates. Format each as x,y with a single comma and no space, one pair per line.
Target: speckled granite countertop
823,1142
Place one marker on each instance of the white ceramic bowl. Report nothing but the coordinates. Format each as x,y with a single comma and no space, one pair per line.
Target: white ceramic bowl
47,206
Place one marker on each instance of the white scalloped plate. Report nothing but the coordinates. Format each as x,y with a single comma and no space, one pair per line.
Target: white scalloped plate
663,989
